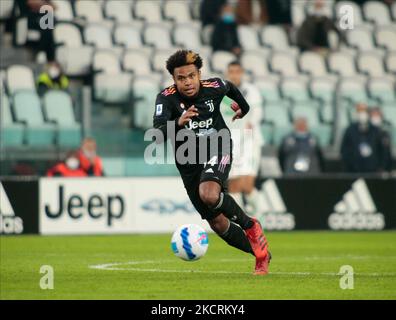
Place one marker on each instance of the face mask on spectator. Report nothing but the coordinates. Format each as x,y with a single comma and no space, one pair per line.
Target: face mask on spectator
376,121
54,72
362,117
72,163
228,18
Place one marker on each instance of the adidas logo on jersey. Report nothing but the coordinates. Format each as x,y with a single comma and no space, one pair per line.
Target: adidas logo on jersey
356,210
9,223
275,215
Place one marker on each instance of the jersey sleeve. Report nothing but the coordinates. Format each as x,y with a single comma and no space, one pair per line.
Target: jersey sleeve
233,92
162,114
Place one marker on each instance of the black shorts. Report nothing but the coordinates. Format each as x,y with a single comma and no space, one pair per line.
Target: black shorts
193,175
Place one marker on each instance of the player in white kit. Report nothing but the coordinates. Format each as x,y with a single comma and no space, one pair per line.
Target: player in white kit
247,138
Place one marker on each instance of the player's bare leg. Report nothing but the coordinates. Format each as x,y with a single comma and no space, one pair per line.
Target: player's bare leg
210,193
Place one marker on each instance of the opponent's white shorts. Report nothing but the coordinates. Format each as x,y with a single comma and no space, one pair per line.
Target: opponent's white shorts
245,163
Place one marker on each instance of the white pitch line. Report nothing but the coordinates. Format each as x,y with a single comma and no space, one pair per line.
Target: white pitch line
116,267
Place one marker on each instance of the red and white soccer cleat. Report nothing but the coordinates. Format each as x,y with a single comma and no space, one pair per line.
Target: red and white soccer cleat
257,240
262,265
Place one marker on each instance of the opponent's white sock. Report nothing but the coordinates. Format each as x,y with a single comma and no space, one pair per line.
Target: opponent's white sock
253,200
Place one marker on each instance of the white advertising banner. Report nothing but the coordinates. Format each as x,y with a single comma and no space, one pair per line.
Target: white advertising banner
114,205
162,205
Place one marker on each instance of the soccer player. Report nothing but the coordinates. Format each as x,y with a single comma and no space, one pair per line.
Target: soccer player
247,152
193,105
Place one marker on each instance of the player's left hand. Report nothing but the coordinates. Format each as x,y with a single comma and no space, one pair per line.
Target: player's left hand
238,115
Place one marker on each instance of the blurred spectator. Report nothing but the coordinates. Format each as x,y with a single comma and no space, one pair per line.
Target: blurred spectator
313,33
90,162
377,120
362,149
31,10
70,167
210,11
299,152
279,11
225,35
52,78
246,14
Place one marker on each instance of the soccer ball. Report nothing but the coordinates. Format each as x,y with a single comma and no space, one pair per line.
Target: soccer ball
190,242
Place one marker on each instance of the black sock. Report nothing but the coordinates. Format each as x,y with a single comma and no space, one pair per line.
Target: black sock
228,206
235,237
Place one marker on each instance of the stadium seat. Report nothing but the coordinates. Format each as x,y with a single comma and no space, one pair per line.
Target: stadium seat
306,112
362,39
128,36
111,85
59,108
285,64
120,10
137,62
342,63
188,37
150,11
383,90
323,89
279,117
220,61
269,91
64,10
393,9
6,7
390,62
249,38
158,35
20,77
177,11
389,113
372,64
377,12
206,34
275,37
386,37
353,91
314,64
73,55
100,37
91,12
145,90
27,109
297,92
12,133
298,12
255,63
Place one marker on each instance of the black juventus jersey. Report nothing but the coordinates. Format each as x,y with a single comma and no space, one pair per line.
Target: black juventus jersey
170,105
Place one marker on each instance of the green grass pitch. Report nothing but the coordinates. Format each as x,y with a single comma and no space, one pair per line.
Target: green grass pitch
305,265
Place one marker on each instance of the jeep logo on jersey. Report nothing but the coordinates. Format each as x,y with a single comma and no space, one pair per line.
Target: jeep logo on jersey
204,124
356,210
210,105
9,223
273,208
